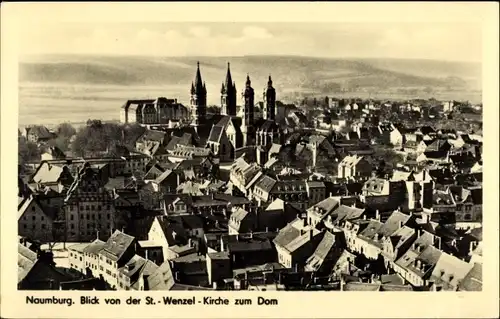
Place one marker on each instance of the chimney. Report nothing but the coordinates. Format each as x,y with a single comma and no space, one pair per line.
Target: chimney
176,276
364,216
377,215
472,245
437,242
190,242
146,254
400,224
97,234
237,237
419,233
311,233
267,229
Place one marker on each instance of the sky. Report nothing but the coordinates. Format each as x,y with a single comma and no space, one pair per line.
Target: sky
450,41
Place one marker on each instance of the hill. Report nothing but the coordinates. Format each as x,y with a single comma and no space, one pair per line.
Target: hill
306,74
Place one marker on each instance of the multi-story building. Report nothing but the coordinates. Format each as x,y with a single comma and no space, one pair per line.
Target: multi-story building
89,207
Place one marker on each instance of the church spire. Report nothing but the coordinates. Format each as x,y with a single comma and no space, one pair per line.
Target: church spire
198,83
229,80
270,81
248,83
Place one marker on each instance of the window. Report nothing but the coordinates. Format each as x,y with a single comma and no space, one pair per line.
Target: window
33,208
41,217
25,226
34,217
43,226
87,207
72,226
71,217
98,207
467,216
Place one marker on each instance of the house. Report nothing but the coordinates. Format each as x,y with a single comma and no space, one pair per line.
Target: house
169,233
89,208
414,147
296,242
276,215
318,212
218,267
38,134
353,167
390,135
473,281
244,175
448,273
76,257
417,265
241,221
37,271
161,110
326,255
316,191
134,274
161,279
56,177
469,210
249,249
35,222
116,253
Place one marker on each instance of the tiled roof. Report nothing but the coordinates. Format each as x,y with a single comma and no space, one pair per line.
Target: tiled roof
26,259
450,271
320,254
395,221
116,245
473,281
265,183
94,247
162,278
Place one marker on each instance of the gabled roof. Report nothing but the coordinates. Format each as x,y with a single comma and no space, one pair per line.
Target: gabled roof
320,254
450,271
395,221
162,278
117,245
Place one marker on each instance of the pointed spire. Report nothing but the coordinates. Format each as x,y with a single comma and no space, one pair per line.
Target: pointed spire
192,88
229,80
197,81
270,81
248,83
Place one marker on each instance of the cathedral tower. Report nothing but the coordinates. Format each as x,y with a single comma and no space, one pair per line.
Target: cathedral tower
269,101
198,102
247,128
228,95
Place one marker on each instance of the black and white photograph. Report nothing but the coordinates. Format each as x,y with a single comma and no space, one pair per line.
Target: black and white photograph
251,156
216,156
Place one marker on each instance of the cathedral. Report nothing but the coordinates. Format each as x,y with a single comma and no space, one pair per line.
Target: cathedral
229,134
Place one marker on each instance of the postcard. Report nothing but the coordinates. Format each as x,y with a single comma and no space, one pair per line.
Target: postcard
255,160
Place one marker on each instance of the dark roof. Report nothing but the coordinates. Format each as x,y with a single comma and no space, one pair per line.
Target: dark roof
153,135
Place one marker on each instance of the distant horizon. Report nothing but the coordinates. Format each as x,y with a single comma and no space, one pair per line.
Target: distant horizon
24,56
